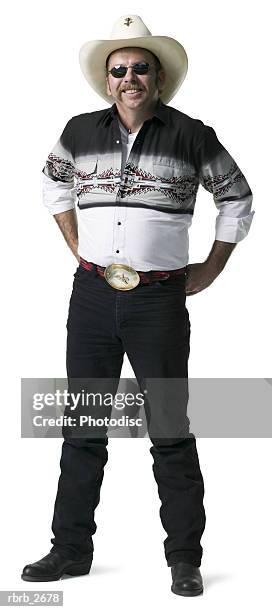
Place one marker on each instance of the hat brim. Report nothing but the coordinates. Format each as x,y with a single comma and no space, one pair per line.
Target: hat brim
172,56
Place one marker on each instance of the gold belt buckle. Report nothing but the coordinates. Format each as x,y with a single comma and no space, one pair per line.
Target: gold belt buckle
121,277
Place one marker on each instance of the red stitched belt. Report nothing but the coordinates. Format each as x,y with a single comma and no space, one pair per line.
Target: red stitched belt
145,277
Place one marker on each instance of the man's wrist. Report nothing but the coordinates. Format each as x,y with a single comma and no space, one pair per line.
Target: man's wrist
219,256
74,249
214,265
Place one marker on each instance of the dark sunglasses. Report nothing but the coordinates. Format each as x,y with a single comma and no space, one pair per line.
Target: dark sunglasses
120,71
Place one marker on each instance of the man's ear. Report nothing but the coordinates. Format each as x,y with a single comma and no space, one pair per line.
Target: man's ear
108,87
161,78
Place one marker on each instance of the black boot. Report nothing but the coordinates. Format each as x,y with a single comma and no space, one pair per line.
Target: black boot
187,579
54,565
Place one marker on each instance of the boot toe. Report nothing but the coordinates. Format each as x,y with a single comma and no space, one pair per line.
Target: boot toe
189,586
54,566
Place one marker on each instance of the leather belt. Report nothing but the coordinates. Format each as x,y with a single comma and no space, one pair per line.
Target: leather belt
124,278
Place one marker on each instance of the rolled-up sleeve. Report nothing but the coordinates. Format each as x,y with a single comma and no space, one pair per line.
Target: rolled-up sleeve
220,175
59,190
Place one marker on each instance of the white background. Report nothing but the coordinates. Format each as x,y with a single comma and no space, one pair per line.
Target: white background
227,87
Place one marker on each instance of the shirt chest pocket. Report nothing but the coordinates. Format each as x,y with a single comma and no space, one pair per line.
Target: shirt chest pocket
96,175
175,179
169,170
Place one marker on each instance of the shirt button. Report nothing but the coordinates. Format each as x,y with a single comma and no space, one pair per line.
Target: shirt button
117,251
117,141
119,222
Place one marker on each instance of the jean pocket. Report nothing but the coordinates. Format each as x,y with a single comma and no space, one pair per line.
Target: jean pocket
172,284
81,272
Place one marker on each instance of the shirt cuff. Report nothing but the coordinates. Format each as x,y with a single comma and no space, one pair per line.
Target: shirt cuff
58,196
232,229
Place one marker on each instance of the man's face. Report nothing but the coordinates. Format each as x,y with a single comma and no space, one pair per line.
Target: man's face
147,86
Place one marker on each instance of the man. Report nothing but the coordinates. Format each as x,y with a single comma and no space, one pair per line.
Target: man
138,166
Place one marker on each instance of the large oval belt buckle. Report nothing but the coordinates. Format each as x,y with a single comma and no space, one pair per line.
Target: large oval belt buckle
121,277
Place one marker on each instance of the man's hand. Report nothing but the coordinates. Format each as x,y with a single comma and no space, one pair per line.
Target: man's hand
201,275
198,277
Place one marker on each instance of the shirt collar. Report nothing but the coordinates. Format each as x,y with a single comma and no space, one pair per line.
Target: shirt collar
161,112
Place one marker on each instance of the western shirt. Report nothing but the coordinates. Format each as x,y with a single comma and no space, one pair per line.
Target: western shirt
135,193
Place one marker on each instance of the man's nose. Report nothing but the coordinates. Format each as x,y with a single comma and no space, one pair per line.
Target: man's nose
130,75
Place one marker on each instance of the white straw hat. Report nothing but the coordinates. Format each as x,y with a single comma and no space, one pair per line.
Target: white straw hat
130,31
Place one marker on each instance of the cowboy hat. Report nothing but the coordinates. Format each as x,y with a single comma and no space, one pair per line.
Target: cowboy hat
130,31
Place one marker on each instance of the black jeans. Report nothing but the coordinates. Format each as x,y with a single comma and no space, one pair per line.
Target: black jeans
149,323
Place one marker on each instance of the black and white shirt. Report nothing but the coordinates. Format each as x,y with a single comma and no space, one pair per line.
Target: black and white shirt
141,216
